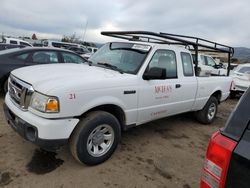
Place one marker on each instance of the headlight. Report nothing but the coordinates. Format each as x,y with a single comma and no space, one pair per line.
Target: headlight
44,103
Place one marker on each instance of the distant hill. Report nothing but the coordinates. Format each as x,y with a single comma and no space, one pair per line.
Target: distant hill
242,54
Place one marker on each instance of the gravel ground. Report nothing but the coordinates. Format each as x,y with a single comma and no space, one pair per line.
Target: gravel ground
164,153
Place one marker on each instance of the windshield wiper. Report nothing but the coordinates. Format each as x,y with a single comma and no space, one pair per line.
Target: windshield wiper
113,67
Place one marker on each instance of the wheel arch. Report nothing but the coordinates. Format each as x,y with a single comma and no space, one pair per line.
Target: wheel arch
217,94
113,109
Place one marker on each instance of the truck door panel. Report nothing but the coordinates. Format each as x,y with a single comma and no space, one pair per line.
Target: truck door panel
160,98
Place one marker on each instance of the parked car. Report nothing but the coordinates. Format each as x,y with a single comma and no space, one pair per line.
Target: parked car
59,44
87,55
79,50
92,49
15,41
126,84
227,159
16,58
9,46
241,79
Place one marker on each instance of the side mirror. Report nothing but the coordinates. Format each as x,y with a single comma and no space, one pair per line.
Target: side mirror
218,66
155,73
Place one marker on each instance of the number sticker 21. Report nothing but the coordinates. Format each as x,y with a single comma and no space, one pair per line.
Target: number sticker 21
72,96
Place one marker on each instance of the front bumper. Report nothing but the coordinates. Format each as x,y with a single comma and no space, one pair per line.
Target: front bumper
46,133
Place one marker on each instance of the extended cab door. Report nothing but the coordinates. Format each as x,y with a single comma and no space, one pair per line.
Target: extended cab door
169,96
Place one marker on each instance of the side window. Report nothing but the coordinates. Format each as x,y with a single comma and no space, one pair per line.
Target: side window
165,59
71,58
203,61
187,64
13,42
22,56
45,57
210,62
24,44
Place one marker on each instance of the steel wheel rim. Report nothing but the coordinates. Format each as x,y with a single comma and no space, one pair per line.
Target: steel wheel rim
211,111
100,140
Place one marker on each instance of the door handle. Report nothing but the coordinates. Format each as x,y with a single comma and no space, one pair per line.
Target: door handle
177,85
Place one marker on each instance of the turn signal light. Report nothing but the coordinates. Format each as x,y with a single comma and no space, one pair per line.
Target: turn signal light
52,105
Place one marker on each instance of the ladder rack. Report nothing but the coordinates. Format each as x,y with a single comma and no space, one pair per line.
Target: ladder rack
193,43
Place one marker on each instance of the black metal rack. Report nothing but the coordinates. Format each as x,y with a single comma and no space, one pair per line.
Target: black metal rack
193,43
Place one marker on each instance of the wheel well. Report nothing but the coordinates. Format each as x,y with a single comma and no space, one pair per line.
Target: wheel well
2,81
217,95
112,109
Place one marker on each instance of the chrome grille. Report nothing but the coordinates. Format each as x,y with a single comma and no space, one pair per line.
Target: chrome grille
20,92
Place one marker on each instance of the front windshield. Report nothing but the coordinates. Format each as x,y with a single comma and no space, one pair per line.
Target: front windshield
127,57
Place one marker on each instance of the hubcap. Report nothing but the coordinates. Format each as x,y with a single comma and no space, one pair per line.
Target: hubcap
100,140
211,111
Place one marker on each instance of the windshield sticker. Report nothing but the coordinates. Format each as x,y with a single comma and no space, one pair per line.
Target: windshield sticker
141,47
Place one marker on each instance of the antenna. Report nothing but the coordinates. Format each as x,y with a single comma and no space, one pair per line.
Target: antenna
85,30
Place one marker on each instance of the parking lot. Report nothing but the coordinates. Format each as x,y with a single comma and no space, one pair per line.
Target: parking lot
164,153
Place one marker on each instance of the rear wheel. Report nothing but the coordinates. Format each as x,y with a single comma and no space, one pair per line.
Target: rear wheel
208,113
95,138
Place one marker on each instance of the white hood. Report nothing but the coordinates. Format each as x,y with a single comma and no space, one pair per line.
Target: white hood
47,77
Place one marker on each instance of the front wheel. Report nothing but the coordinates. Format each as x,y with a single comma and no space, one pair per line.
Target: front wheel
95,138
208,113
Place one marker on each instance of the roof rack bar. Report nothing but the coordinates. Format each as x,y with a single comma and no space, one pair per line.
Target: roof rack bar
167,38
229,50
197,38
135,33
170,37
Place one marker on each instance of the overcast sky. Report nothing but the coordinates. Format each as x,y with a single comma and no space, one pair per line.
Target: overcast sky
224,21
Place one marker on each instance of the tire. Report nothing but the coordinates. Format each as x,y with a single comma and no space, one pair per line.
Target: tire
208,113
88,139
233,94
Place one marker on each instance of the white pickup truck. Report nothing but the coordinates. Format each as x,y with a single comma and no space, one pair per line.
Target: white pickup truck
123,85
208,66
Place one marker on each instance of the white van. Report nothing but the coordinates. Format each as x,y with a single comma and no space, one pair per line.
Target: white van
58,44
16,41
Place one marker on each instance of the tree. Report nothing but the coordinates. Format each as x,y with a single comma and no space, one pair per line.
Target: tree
72,38
34,37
